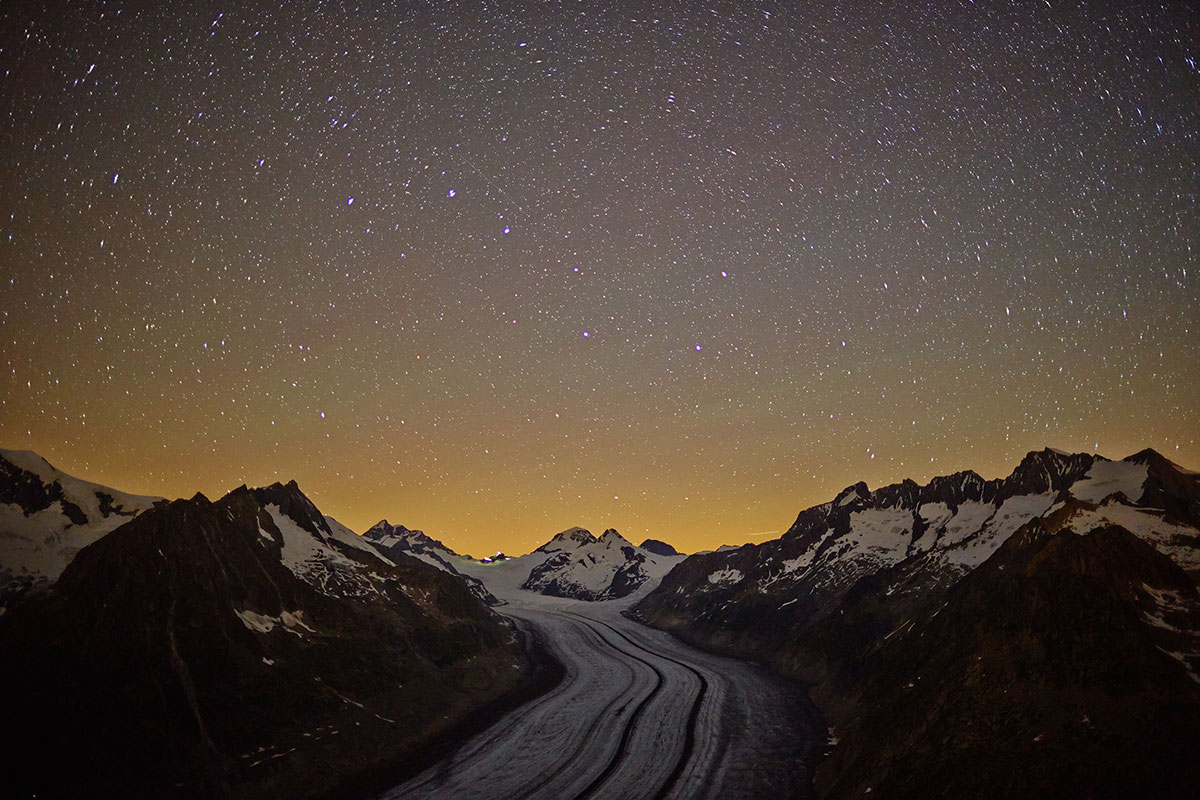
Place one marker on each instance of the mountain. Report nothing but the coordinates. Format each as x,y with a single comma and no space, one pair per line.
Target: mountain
658,548
1066,665
388,538
576,564
854,586
46,517
917,537
248,647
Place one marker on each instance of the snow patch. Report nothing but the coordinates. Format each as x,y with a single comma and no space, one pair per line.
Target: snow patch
726,575
1003,523
849,497
346,536
262,623
1173,540
1107,477
1166,601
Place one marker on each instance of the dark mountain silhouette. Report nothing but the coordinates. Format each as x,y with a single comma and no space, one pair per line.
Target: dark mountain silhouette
245,647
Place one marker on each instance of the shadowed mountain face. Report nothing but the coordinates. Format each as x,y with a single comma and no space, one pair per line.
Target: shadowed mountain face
875,585
658,548
247,647
388,538
1057,668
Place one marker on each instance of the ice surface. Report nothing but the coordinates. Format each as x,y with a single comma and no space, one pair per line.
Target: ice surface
560,744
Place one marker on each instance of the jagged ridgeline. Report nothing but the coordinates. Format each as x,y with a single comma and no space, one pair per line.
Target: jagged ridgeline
245,647
397,539
1032,635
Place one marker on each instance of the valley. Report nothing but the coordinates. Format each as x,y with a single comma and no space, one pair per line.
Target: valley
638,715
1047,624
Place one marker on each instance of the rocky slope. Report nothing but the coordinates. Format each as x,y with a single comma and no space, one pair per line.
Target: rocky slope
578,565
915,538
1066,665
247,647
849,591
46,517
392,539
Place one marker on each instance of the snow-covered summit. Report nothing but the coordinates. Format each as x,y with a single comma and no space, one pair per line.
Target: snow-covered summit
584,567
47,516
567,540
611,538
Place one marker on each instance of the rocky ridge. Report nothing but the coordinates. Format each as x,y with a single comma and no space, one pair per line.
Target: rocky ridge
248,647
388,538
864,587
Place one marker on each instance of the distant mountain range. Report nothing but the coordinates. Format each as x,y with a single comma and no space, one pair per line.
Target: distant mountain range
245,647
1037,634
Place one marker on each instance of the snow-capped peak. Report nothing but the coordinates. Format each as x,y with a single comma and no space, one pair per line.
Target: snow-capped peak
47,516
610,538
850,494
396,539
571,538
579,565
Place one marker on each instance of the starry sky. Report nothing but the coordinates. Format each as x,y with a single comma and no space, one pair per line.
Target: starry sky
493,269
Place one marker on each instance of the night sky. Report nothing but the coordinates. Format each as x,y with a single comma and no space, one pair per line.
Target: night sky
495,269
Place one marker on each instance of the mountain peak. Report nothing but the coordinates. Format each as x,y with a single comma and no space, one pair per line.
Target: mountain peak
290,488
570,539
581,566
658,548
385,528
1153,458
389,535
1052,455
56,516
295,504
854,493
1048,470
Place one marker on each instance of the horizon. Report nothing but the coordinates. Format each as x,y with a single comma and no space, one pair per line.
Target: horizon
540,537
